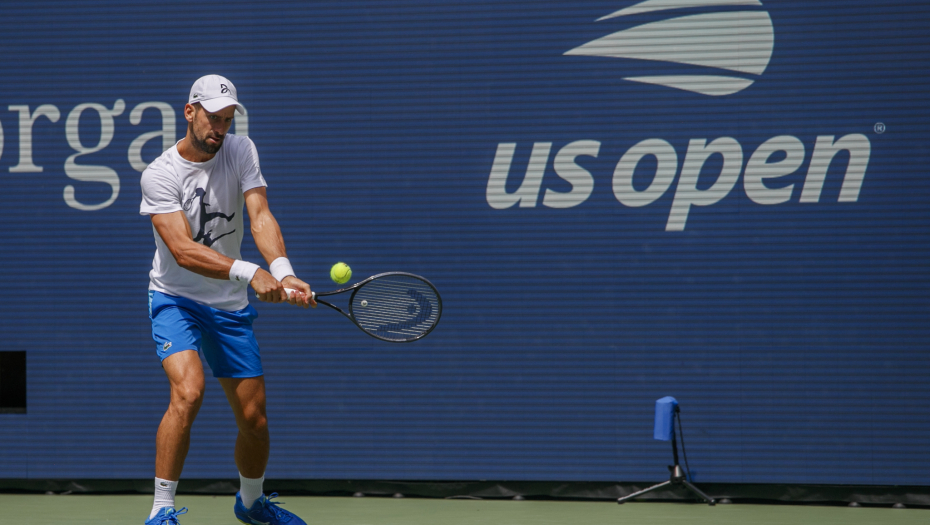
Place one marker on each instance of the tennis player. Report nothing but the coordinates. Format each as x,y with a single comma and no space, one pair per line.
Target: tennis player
198,293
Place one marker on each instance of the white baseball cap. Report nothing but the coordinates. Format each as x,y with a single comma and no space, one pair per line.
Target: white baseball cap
214,93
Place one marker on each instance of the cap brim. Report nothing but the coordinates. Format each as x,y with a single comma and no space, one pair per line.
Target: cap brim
215,104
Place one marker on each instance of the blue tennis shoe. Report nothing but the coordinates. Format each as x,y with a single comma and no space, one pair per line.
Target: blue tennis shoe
166,516
265,512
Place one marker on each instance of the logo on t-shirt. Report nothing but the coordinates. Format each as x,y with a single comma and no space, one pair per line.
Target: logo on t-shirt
205,217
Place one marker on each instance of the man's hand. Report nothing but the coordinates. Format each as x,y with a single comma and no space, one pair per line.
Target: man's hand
268,289
302,296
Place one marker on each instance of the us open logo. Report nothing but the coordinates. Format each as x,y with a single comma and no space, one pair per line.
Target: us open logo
728,42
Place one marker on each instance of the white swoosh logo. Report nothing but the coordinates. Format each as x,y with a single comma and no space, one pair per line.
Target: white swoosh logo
739,41
712,85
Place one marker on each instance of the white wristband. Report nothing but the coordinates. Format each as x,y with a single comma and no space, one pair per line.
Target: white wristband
281,268
242,271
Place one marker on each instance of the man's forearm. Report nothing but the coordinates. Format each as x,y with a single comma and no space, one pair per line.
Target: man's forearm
268,238
192,256
201,260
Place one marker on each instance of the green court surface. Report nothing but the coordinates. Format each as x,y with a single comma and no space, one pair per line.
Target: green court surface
215,510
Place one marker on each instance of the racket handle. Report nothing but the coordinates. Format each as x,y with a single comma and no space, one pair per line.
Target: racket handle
289,291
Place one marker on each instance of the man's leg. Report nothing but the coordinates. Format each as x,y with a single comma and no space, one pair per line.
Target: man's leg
247,399
246,396
185,375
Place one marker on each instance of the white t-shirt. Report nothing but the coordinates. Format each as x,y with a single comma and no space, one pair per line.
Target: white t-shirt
211,196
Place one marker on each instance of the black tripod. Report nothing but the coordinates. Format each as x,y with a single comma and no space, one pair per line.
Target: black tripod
677,475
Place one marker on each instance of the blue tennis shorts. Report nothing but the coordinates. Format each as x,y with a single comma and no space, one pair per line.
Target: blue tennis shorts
225,338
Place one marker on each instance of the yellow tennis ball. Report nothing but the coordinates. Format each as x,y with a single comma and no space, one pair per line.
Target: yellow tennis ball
340,273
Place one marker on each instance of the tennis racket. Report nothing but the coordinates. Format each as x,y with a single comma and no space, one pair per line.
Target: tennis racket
398,307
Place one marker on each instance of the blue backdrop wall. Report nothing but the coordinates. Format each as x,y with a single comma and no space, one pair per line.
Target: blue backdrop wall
725,202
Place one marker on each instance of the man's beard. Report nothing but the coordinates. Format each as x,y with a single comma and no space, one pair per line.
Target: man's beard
202,145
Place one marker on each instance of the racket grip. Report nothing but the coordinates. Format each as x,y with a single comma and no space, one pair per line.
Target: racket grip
289,291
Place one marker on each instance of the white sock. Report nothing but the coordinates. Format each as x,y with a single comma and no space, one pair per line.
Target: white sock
250,490
164,495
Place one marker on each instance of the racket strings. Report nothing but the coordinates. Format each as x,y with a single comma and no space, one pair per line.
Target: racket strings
396,308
